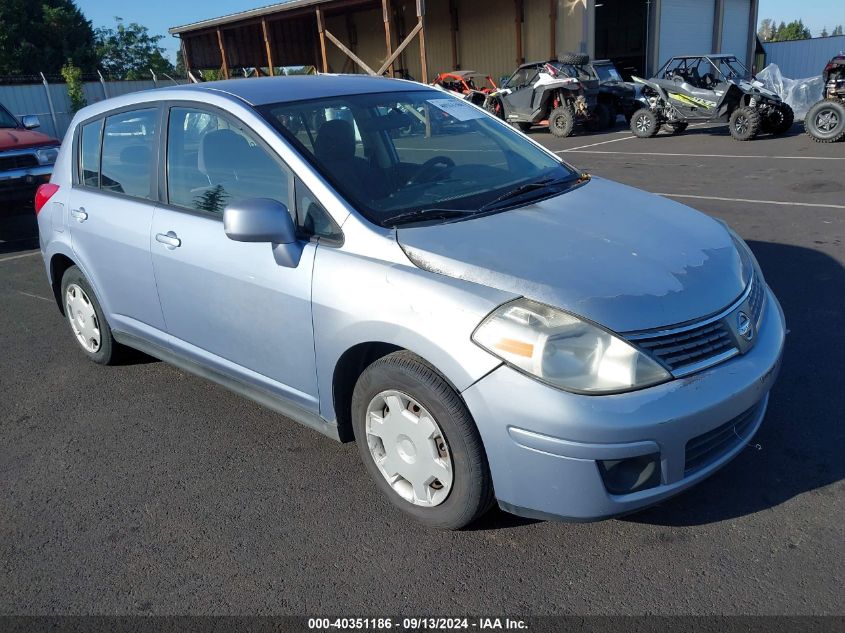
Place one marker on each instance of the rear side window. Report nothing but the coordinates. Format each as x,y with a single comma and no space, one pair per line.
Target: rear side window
128,145
212,161
89,154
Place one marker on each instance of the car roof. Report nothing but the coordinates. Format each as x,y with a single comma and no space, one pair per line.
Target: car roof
263,90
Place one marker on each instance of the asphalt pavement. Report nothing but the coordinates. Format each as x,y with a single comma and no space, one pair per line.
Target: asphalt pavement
140,489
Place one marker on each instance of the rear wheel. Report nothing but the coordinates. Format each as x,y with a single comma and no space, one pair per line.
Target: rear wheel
419,442
744,123
562,121
644,123
579,59
86,319
825,121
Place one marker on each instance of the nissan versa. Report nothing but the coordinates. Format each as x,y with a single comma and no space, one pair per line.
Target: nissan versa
382,261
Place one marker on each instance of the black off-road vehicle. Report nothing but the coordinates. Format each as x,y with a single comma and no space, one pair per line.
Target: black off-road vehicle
825,120
562,91
716,88
615,94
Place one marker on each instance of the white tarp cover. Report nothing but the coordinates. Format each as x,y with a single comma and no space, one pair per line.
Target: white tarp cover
800,94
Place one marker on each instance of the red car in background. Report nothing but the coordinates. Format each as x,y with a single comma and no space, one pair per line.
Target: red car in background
26,156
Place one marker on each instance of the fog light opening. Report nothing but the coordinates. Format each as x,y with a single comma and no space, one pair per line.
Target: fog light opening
624,476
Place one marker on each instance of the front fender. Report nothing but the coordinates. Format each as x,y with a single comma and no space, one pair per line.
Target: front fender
357,300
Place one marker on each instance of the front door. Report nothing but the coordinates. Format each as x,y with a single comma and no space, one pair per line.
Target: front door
111,209
227,304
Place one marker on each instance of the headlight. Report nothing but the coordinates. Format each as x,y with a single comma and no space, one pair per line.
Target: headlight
47,155
565,351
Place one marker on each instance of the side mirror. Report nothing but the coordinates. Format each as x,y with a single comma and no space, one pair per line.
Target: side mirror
264,220
30,121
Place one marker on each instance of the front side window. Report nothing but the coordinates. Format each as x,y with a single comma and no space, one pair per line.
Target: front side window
89,153
405,152
128,145
212,161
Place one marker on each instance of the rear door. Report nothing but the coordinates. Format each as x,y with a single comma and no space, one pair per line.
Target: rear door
111,210
228,305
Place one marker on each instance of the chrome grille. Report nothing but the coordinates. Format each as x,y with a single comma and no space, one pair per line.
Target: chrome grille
18,161
706,448
679,349
755,299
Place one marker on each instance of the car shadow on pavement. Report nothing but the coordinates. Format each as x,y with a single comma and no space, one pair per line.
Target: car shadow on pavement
802,435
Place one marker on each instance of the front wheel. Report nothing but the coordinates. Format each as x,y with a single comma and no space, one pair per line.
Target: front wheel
562,121
779,119
644,123
419,442
744,123
825,121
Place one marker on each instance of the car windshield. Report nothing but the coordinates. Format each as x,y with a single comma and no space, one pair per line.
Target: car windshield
608,73
408,153
6,119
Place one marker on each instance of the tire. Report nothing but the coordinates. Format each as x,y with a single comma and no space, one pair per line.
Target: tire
601,118
825,121
744,123
403,375
780,121
579,59
677,128
521,126
80,304
562,121
644,123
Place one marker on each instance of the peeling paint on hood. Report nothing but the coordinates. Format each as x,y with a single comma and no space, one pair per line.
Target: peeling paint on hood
621,257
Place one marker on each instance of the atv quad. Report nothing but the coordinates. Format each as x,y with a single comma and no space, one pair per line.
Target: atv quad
563,92
825,120
618,96
717,88
471,85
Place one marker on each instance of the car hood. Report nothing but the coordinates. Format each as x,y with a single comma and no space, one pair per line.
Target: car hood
19,138
621,257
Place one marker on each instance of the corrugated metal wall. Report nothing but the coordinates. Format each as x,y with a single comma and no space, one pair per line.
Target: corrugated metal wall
487,36
536,42
32,99
804,58
686,28
735,29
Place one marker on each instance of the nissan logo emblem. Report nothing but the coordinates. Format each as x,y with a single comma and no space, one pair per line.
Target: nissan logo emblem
744,326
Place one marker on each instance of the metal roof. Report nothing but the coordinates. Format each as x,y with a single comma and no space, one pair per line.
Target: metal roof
243,15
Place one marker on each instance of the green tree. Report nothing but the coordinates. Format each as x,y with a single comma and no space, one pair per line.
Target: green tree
73,78
795,30
837,30
128,51
824,32
767,30
40,36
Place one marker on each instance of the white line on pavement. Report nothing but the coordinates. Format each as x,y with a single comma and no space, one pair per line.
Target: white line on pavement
777,202
8,259
613,140
34,296
743,156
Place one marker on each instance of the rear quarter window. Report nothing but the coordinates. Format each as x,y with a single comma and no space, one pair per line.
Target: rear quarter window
89,154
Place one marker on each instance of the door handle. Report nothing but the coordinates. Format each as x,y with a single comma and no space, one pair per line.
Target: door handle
80,214
169,239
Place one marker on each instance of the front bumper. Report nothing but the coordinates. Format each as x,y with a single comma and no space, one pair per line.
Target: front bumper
543,444
16,184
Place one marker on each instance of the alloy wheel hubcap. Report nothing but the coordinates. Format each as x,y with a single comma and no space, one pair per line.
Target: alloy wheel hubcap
409,448
83,319
643,124
741,124
826,120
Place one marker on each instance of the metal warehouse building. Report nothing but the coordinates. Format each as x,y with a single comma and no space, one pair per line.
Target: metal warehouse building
422,38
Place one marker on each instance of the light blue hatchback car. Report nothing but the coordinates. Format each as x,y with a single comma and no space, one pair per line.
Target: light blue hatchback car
382,261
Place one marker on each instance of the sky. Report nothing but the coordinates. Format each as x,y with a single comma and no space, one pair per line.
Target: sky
160,15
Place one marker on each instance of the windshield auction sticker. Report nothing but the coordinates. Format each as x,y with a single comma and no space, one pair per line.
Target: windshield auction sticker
461,110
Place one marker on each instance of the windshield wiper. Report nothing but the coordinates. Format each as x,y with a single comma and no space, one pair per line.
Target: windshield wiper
526,188
425,214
